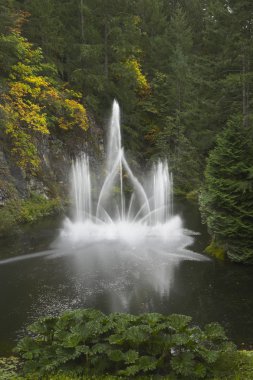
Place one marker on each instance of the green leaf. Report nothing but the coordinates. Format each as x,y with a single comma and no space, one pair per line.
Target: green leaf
200,371
180,339
116,339
115,355
72,340
100,348
215,331
138,334
131,356
147,363
178,322
183,364
129,371
208,355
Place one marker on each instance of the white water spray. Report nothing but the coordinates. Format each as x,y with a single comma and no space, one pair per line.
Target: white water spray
81,189
125,209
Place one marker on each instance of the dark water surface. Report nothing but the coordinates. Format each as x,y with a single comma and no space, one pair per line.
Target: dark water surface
111,277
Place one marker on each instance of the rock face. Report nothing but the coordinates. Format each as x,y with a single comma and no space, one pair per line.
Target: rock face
56,154
8,182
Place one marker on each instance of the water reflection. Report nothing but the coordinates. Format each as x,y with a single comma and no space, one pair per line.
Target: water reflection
116,276
113,276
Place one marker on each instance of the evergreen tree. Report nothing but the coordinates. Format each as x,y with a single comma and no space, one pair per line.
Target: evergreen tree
174,101
227,199
7,16
179,68
153,25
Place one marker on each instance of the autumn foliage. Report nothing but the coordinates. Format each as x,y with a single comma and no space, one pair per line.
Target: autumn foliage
34,103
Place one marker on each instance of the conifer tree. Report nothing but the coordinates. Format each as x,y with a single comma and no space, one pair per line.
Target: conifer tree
7,15
227,199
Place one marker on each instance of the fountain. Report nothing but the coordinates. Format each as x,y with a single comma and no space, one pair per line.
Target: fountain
147,210
122,249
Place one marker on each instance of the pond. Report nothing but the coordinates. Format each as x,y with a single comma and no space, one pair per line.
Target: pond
40,277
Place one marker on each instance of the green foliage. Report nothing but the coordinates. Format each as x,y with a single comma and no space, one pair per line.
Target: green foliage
34,103
216,251
9,368
7,16
8,216
36,207
192,195
17,211
170,142
232,365
227,198
193,76
89,342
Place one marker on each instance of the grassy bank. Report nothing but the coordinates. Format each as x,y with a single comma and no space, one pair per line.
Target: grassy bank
18,211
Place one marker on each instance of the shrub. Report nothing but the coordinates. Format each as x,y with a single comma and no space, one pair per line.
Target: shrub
38,206
89,342
17,211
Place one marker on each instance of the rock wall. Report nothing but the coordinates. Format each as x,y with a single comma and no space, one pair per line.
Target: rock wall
56,154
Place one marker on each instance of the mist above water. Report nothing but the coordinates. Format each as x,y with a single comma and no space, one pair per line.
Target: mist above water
125,208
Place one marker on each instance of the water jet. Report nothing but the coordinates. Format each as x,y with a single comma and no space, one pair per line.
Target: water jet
147,211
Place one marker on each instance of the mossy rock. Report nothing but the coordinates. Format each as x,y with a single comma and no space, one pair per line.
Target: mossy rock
215,250
7,191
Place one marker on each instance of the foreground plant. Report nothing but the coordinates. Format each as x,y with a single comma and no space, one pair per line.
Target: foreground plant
8,368
90,342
